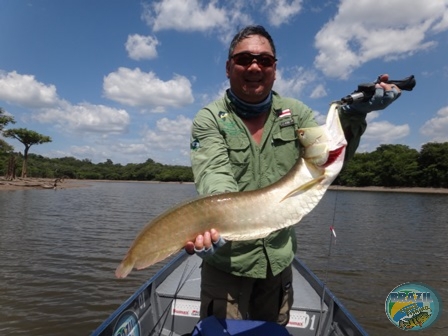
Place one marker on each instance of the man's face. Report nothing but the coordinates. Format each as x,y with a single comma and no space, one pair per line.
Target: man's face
251,83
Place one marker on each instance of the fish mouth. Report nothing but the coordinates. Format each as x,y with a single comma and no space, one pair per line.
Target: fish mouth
333,155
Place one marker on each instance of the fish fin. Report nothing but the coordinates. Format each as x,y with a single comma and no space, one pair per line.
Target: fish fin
124,268
305,187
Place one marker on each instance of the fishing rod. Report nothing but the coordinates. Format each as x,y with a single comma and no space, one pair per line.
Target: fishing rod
366,91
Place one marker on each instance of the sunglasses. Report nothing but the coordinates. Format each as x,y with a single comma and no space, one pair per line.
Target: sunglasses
246,59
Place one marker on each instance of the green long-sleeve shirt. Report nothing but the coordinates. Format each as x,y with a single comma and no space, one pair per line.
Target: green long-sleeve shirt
224,157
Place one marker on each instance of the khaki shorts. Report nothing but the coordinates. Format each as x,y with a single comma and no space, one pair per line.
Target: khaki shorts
228,296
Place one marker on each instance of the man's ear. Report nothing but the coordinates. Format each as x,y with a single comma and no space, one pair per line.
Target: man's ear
227,68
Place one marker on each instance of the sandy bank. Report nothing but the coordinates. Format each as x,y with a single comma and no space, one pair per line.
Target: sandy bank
40,183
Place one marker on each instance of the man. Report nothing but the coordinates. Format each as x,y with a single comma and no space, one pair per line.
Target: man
245,141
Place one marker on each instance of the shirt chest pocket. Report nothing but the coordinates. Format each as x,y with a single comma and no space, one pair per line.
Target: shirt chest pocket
285,147
286,133
239,156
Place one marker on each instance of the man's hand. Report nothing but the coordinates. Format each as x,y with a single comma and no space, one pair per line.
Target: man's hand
387,87
384,95
206,244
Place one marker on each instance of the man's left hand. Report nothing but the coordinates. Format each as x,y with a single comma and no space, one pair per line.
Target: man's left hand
384,95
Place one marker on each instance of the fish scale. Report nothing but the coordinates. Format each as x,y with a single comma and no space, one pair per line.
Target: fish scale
249,214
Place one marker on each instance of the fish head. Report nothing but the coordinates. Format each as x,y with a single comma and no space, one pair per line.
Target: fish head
319,149
324,145
314,141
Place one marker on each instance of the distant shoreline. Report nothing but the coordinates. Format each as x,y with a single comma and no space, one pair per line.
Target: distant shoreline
41,183
414,190
47,183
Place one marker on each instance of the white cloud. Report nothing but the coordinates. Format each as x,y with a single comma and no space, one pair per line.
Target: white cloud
48,108
364,30
184,15
141,47
381,132
281,11
137,88
442,25
237,18
222,18
170,134
85,118
321,118
318,92
293,81
386,132
26,91
117,151
89,152
130,148
437,128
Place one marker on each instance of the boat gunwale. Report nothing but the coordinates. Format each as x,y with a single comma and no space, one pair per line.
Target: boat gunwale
159,276
329,298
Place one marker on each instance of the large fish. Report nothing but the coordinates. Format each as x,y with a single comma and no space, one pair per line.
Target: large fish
249,214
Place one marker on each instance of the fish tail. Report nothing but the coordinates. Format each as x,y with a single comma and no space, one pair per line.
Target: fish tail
124,268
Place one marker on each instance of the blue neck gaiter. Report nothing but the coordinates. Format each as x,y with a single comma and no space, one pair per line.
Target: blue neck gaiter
246,110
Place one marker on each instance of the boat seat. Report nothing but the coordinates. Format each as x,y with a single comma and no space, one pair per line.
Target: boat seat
212,326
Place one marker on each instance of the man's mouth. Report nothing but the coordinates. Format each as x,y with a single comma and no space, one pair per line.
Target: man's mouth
253,80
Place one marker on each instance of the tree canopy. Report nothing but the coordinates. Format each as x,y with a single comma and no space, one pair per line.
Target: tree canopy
389,166
28,138
70,167
398,166
5,119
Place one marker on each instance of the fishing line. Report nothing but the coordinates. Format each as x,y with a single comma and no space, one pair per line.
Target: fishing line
325,277
182,281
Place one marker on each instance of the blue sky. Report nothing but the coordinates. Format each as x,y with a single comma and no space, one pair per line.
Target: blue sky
123,79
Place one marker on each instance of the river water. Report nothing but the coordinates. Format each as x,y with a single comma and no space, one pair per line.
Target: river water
59,250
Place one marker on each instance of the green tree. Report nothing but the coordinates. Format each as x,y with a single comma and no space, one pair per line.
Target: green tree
388,166
5,120
28,138
398,165
5,147
6,157
360,171
433,164
6,150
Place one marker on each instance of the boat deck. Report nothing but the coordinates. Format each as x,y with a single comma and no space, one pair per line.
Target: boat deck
305,314
168,304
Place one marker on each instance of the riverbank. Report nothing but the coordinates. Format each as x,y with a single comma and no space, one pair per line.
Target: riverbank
52,184
40,183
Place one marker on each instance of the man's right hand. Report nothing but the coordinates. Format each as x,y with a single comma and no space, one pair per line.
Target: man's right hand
204,242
